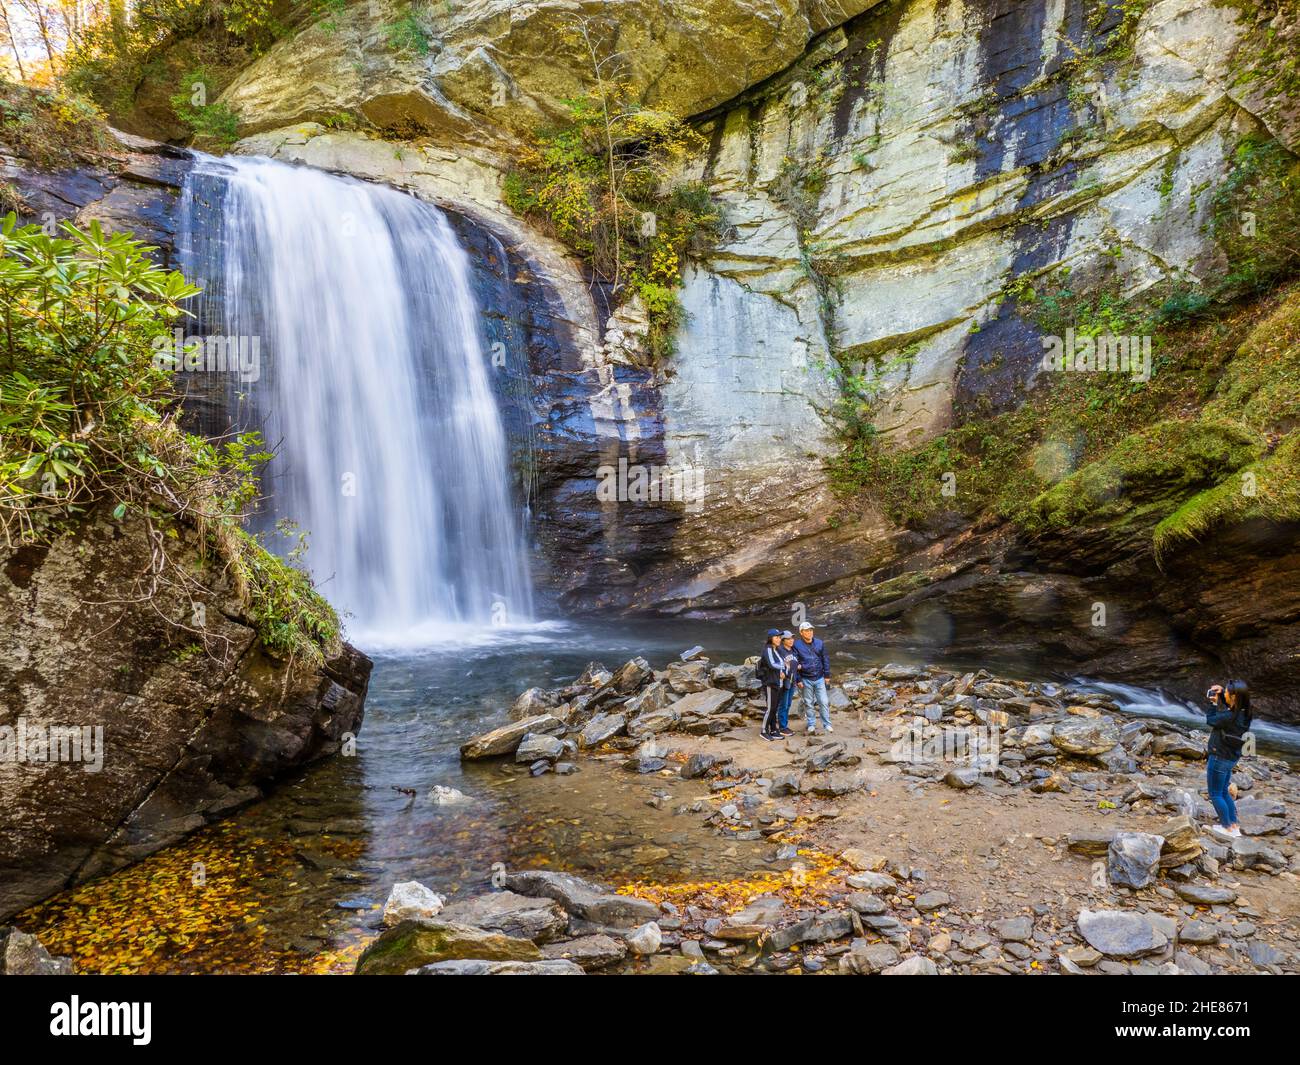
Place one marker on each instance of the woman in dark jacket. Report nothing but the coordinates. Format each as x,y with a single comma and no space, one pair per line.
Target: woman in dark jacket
1229,719
771,672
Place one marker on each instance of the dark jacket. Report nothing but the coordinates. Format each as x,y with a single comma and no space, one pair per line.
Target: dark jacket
1227,727
812,659
770,663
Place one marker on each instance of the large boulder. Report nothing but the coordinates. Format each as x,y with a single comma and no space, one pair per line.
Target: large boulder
601,728
491,68
645,939
913,966
654,722
631,676
1177,745
538,746
22,954
589,952
821,927
703,703
865,958
689,676
700,764
735,678
191,724
1255,854
534,702
412,944
1086,737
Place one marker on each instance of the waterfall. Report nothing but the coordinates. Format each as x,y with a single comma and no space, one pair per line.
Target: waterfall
374,388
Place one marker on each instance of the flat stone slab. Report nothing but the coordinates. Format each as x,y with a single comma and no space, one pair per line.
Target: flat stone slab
703,703
582,898
1206,894
411,944
510,914
588,952
474,967
1120,933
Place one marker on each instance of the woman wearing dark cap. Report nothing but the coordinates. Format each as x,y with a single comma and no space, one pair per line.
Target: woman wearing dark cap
771,672
787,683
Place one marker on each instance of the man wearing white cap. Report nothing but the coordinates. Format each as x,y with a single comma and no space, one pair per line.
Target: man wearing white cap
814,675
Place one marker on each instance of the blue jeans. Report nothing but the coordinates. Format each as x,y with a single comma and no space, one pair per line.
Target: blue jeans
816,689
783,710
1218,775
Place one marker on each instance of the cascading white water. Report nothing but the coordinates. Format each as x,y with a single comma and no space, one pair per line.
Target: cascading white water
374,389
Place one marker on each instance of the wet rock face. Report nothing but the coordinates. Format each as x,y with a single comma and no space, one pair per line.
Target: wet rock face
137,191
173,730
835,162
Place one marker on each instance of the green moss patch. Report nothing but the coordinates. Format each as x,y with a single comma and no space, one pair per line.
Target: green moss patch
1267,489
291,618
1098,449
1150,469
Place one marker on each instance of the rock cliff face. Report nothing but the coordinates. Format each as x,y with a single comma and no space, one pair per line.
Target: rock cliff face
492,69
889,170
193,723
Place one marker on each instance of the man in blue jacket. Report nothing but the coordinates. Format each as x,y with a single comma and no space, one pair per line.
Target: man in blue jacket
814,675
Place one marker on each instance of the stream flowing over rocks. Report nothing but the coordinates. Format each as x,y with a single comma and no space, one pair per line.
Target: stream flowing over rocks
1121,877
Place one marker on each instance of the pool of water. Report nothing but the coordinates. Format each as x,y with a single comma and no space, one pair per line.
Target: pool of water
291,884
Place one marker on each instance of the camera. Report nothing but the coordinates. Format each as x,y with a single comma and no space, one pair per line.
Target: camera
1213,693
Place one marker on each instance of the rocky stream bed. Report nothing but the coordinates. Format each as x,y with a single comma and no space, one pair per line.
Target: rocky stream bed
952,823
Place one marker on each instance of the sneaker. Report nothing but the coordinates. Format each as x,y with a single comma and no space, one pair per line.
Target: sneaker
829,729
771,735
1235,832
787,732
812,731
1222,834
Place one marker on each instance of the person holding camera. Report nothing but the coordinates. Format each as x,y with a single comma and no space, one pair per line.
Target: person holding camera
1229,720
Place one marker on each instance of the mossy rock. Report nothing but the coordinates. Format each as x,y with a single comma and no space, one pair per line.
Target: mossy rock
1148,471
1261,385
411,944
1268,489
